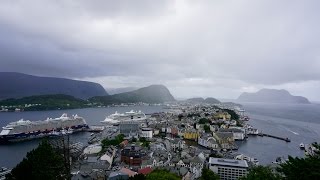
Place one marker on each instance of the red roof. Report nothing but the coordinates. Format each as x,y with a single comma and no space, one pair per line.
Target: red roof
145,171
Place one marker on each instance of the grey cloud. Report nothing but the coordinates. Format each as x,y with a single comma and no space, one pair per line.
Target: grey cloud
204,47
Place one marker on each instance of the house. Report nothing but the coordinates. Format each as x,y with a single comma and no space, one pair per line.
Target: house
191,135
118,176
225,139
128,172
132,155
147,133
177,144
222,115
238,134
145,171
207,141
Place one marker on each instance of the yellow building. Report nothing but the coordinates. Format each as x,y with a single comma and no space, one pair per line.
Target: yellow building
222,115
191,135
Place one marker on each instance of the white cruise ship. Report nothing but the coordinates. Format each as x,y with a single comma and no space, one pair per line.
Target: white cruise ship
131,116
25,129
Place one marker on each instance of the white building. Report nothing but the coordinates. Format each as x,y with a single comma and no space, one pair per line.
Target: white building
228,169
147,133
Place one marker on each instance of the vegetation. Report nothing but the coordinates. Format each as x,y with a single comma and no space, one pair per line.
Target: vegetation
233,114
114,142
207,174
144,142
206,128
203,121
45,102
261,172
160,174
293,169
41,163
302,168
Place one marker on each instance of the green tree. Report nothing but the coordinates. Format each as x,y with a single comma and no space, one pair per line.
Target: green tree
207,174
261,173
302,168
160,174
41,163
233,114
206,128
203,121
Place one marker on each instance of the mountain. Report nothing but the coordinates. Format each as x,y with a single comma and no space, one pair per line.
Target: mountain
113,91
196,100
272,96
17,85
211,100
208,100
150,94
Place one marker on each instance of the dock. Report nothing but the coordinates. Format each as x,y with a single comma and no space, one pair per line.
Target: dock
276,137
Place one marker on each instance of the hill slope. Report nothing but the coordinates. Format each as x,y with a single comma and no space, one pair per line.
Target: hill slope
17,85
272,96
208,100
150,94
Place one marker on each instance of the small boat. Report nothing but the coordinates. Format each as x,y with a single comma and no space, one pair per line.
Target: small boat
302,146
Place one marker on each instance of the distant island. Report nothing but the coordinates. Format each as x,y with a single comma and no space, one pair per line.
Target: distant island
272,96
208,100
18,85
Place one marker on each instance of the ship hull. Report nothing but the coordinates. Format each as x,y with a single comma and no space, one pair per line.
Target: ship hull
36,135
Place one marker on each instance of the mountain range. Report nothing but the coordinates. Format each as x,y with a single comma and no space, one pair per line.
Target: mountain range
272,96
150,94
18,85
18,89
208,100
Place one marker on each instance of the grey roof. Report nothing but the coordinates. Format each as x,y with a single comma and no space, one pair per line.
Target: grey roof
228,162
224,134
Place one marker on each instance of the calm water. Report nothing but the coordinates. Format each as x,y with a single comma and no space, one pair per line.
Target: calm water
301,123
12,154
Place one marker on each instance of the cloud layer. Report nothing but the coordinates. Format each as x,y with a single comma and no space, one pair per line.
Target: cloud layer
196,48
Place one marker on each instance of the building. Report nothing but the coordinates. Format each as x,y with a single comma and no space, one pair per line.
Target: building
191,135
222,115
228,168
129,129
238,134
225,139
132,155
147,133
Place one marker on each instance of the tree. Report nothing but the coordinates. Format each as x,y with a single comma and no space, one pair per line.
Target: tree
203,121
206,128
302,168
233,114
261,173
160,174
41,163
207,174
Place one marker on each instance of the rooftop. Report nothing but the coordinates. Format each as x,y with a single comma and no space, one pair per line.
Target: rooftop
228,162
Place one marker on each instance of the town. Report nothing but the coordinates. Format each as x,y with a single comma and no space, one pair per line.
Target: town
183,141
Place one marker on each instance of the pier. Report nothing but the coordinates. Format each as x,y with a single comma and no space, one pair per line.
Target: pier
273,136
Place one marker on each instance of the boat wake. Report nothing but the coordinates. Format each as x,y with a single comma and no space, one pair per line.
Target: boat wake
292,131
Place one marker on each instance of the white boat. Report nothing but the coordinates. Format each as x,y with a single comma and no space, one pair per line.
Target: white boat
117,118
302,146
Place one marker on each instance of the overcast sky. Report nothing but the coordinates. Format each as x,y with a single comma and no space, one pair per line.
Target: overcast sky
195,48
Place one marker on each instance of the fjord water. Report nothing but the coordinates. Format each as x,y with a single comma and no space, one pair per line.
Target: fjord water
300,123
11,154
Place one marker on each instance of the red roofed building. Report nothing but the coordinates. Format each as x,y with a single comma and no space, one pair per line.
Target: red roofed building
145,171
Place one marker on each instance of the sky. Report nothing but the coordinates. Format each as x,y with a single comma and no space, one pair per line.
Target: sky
196,48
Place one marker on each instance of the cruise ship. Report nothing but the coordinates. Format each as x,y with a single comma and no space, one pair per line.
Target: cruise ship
131,116
25,129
